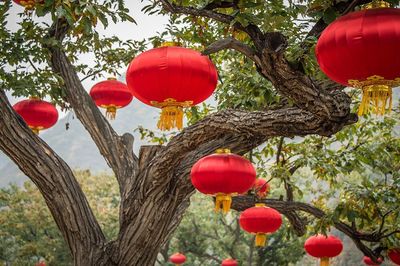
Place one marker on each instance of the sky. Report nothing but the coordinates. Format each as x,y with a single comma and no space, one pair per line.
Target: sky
147,26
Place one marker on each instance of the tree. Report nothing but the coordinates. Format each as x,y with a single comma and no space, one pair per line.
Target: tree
294,99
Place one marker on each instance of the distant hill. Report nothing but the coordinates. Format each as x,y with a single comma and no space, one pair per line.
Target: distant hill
75,145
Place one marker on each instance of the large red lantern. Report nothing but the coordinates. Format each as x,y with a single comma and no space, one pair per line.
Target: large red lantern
360,50
369,261
37,114
177,258
171,78
223,175
394,255
261,188
323,247
111,94
28,4
260,220
229,262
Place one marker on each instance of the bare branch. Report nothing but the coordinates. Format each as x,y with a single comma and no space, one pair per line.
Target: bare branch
230,43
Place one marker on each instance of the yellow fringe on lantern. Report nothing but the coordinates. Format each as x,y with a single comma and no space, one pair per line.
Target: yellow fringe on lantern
28,4
223,202
36,130
324,262
171,117
111,112
376,99
261,240
171,113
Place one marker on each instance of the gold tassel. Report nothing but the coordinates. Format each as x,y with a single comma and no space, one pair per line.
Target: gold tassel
375,99
324,262
111,112
261,239
171,117
36,130
223,202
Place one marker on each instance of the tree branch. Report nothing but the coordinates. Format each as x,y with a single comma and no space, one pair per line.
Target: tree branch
231,43
117,150
56,182
288,207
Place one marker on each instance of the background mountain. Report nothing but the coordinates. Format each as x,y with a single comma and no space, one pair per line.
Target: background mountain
75,145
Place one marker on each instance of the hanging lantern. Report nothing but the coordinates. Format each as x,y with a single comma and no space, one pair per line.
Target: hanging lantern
261,188
260,220
360,50
323,247
111,94
40,263
177,258
394,255
229,262
369,261
171,78
37,114
28,4
223,175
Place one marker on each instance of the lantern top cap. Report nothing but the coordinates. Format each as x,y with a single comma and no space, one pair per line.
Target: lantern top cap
260,204
170,43
223,151
376,4
34,97
111,78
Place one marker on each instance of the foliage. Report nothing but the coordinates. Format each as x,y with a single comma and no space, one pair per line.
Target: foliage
28,232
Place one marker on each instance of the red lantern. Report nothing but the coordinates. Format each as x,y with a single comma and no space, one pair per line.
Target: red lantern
40,263
323,247
177,259
38,114
171,78
111,94
229,262
361,50
260,220
28,4
368,261
223,175
261,187
394,255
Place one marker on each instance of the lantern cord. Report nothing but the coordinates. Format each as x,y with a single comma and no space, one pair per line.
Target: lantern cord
223,202
261,240
375,99
171,117
111,112
324,262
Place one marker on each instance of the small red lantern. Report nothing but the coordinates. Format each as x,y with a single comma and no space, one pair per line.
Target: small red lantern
323,247
261,187
394,255
223,175
171,78
260,220
40,263
111,94
229,262
369,261
37,114
177,258
28,4
360,50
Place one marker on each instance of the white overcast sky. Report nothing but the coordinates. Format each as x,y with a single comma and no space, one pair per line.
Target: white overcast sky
147,26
